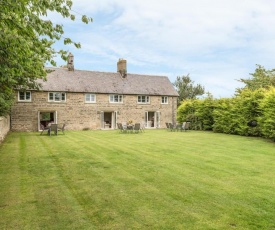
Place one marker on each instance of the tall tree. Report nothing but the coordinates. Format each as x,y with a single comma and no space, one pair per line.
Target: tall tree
261,78
187,89
26,43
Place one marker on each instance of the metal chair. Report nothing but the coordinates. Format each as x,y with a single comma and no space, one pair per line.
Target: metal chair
172,127
136,128
121,127
185,126
45,128
62,129
53,128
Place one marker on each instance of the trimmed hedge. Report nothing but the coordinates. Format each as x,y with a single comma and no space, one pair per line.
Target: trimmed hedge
233,115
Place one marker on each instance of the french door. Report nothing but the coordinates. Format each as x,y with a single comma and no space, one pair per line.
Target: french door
152,119
46,117
108,119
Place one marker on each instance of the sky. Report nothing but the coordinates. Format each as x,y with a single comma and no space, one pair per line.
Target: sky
216,42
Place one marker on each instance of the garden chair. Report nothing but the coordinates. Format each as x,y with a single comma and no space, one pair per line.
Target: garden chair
178,127
53,128
142,126
121,128
62,129
136,128
45,128
172,127
185,125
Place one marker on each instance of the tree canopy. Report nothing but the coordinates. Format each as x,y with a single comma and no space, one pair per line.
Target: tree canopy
26,43
261,78
186,88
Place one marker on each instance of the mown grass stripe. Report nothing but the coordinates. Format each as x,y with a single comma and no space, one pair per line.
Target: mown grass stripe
157,179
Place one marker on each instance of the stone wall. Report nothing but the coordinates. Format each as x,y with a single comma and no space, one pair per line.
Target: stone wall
4,127
79,115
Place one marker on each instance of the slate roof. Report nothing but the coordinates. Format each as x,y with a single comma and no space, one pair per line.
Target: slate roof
62,80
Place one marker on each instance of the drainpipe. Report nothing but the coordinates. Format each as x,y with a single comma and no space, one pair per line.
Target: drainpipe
173,111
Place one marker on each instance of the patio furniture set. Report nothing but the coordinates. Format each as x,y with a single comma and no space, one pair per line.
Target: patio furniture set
53,128
130,128
178,127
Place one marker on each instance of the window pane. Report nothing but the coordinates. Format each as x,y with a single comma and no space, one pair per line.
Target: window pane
164,100
50,96
90,98
144,99
28,95
21,96
63,97
113,98
57,96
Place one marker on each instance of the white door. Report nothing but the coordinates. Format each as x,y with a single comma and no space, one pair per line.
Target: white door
146,119
102,124
114,120
157,119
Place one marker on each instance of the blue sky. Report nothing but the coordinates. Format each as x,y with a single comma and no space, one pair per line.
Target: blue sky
216,42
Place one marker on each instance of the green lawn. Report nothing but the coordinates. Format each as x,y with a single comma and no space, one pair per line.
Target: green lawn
153,180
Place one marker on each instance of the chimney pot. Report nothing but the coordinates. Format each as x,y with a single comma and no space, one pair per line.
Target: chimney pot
70,64
122,67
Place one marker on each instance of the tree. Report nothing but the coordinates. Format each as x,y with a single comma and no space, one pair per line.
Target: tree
26,40
186,88
261,78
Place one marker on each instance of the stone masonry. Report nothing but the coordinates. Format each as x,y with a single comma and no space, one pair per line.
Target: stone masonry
79,115
4,127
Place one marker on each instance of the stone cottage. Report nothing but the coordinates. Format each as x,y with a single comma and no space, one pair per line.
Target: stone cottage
95,100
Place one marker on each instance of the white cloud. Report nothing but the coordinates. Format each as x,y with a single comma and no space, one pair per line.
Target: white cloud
215,41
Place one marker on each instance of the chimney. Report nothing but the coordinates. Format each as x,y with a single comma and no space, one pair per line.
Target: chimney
70,64
122,67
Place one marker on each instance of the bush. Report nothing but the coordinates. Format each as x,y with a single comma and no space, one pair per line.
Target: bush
267,120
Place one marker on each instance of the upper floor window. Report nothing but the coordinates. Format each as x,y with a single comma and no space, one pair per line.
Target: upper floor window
144,99
90,98
164,100
24,96
57,97
116,98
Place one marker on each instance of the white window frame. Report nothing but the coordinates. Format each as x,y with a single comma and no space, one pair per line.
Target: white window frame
54,97
164,100
91,97
26,99
143,99
116,98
